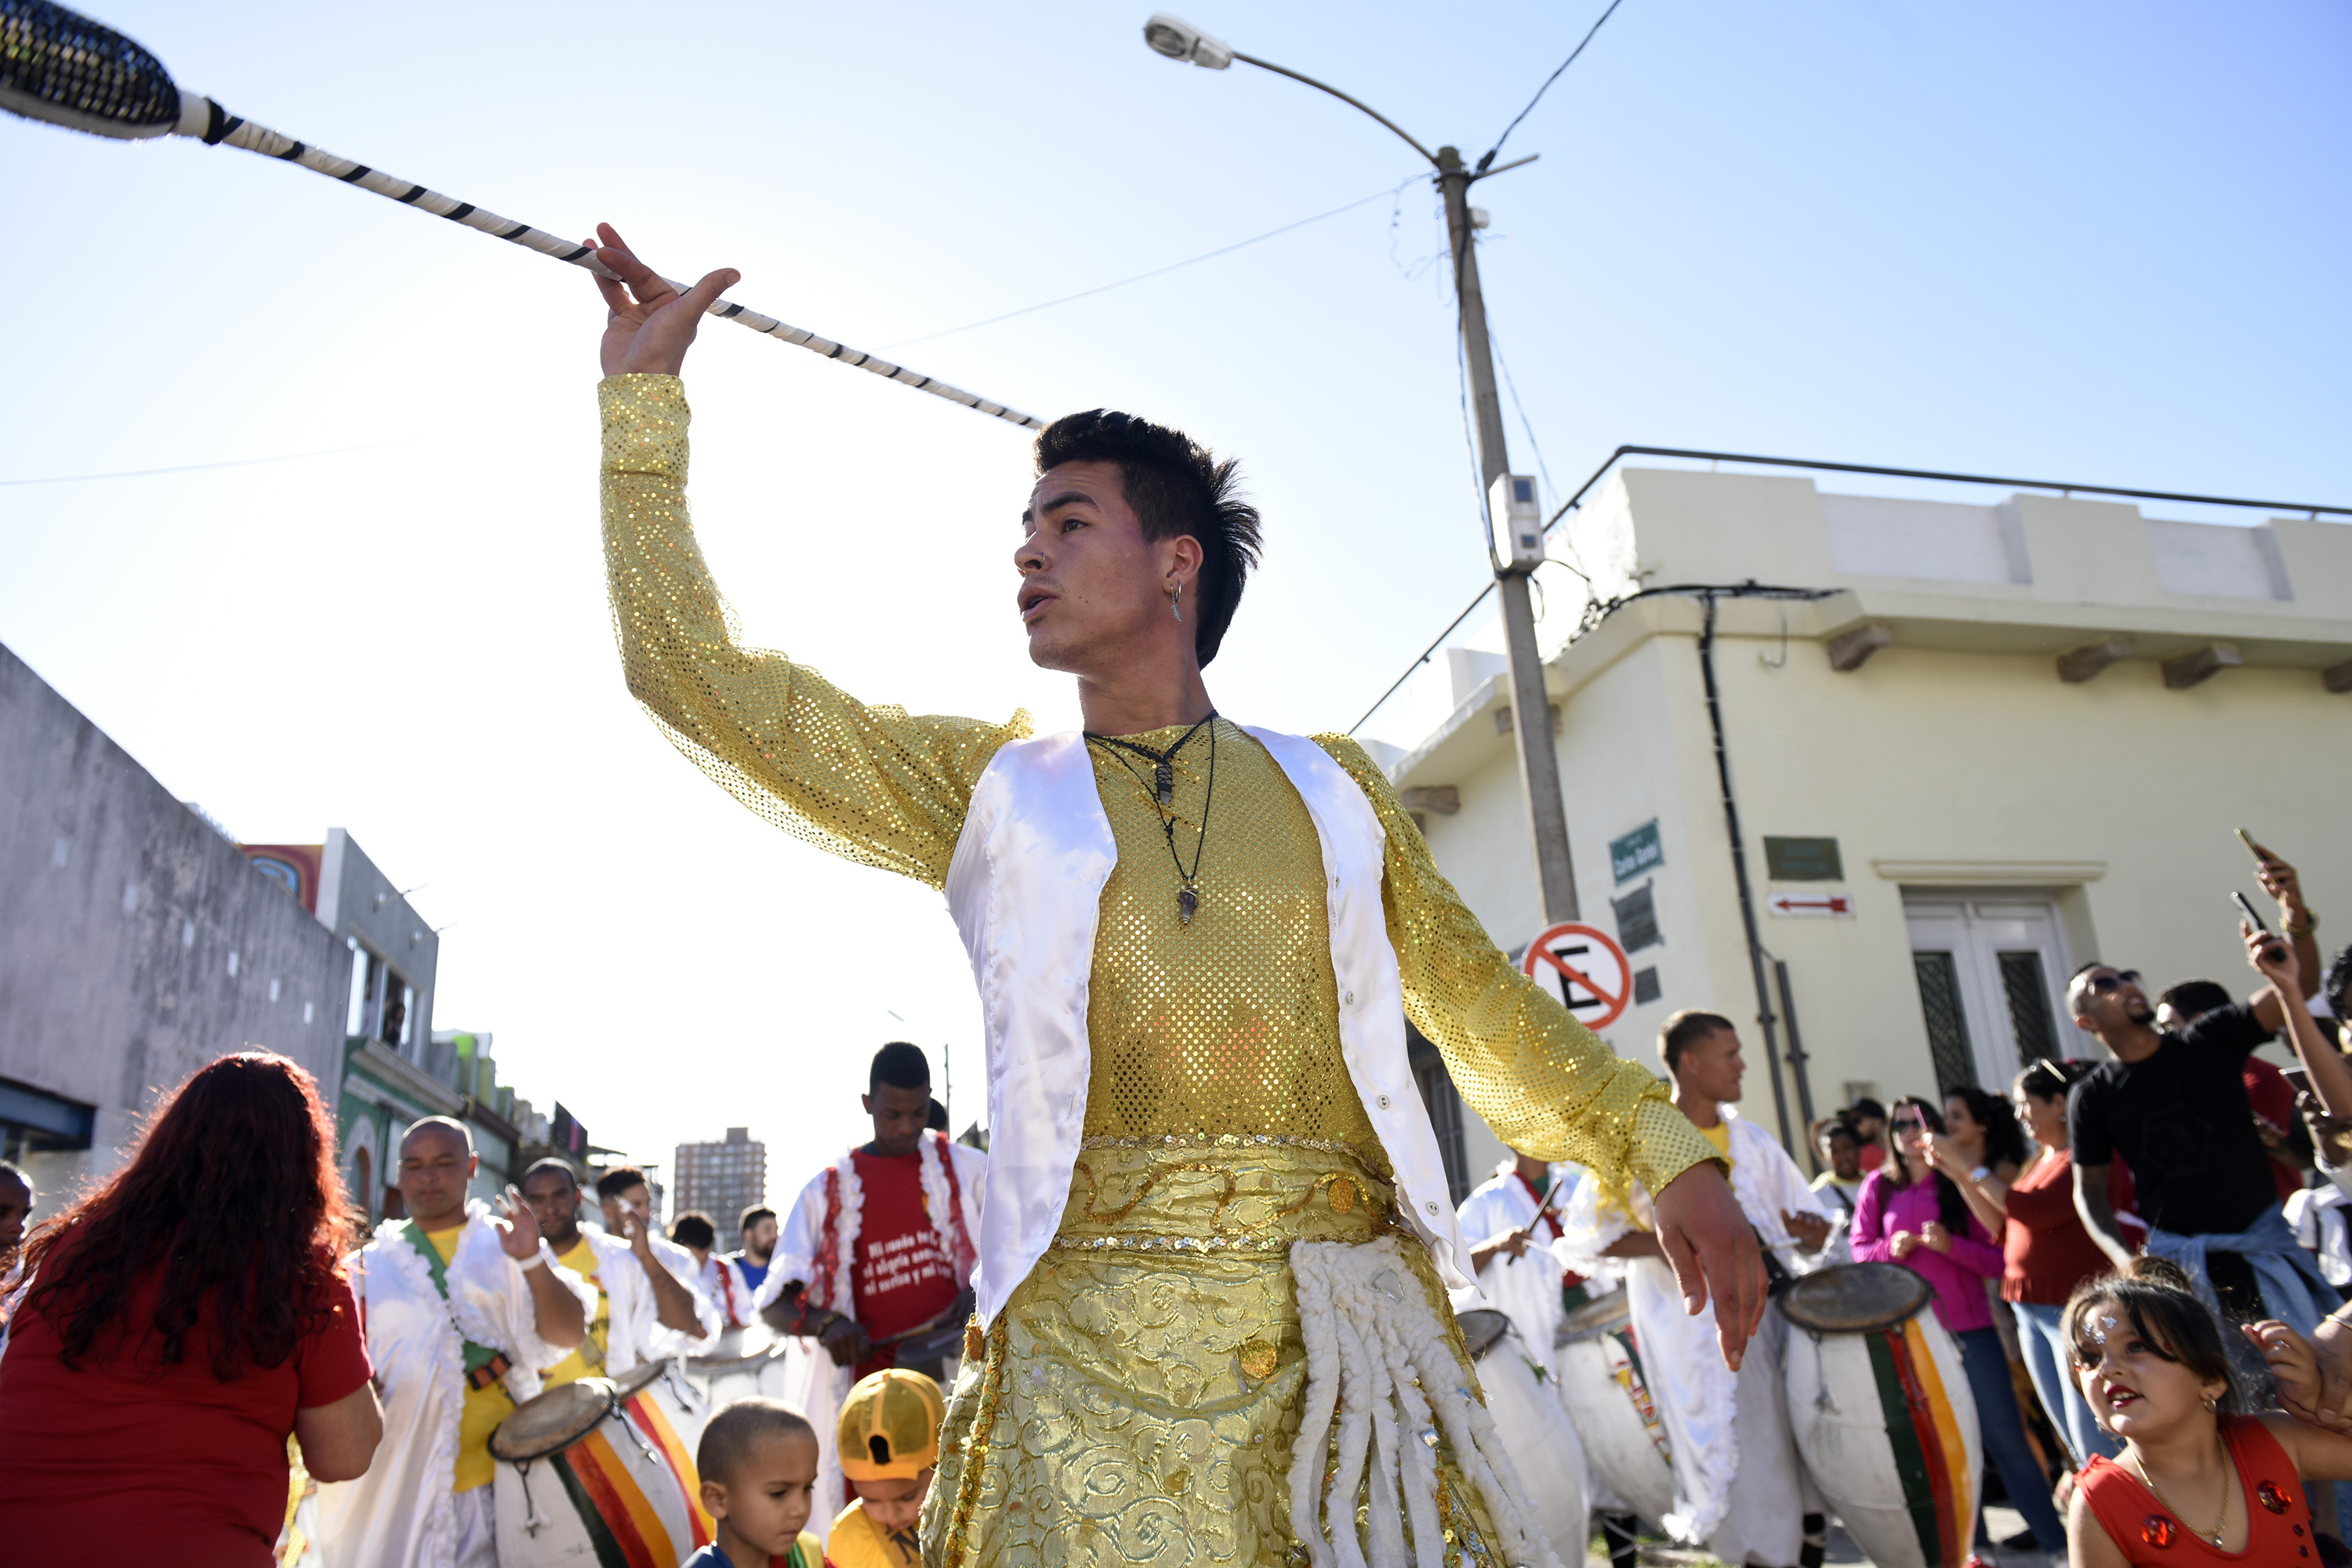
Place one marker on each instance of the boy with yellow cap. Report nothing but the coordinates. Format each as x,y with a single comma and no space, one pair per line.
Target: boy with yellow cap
889,1438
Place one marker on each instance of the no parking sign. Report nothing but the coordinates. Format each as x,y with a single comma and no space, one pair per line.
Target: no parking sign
1586,969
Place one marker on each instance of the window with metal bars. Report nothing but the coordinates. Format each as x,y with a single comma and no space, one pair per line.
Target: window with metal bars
1948,1025
2028,989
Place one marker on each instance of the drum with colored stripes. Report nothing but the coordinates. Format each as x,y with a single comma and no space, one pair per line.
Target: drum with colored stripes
1535,1429
596,1473
745,1363
1598,1363
1883,1414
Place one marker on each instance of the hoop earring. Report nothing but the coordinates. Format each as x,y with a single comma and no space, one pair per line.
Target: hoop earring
2211,1404
1176,602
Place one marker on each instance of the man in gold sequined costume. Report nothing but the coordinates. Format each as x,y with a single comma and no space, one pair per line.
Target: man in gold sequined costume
1213,1324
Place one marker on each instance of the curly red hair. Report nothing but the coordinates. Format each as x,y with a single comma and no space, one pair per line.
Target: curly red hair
233,1193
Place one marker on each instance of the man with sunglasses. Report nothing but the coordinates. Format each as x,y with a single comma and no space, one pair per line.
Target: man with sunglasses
2173,1104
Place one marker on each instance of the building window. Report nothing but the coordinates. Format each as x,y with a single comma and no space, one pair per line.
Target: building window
383,1004
2028,991
1948,1025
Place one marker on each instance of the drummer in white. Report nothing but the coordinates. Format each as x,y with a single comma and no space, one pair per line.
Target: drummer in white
465,1310
647,1307
1740,1489
1512,1221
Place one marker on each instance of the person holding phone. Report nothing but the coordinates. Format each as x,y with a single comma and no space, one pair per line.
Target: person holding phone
2173,1104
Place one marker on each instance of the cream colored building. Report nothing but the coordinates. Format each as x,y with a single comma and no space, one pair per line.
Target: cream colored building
2028,727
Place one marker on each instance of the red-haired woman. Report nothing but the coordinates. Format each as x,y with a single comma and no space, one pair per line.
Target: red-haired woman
178,1323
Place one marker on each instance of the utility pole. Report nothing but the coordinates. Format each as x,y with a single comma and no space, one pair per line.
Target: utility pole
1530,705
1530,702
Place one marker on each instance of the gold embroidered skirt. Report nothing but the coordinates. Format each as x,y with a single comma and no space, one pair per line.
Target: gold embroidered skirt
1136,1400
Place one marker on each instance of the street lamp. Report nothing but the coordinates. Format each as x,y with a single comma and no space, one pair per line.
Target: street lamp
1512,551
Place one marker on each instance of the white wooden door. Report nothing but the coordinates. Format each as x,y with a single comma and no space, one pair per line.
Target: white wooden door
1991,972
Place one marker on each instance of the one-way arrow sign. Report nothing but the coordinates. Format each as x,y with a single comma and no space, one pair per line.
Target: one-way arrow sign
1811,906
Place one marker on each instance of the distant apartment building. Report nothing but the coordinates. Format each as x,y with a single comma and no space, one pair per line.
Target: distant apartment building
720,1180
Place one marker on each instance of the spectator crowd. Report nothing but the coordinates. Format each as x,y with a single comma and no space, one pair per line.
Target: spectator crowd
2137,1259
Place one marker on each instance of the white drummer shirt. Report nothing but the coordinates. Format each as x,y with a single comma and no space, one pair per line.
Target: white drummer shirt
1697,1394
625,1330
1527,1288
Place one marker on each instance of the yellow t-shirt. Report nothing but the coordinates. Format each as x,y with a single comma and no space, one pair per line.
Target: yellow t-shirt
583,1361
484,1407
858,1541
1720,1136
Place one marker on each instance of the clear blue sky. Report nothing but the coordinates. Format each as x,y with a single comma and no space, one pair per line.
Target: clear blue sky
2100,242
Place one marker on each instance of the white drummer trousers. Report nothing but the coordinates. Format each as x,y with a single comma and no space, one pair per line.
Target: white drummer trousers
1771,1491
478,1528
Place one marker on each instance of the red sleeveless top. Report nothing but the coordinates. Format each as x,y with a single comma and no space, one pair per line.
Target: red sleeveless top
2151,1533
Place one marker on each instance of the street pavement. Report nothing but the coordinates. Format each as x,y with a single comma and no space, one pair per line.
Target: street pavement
2002,1522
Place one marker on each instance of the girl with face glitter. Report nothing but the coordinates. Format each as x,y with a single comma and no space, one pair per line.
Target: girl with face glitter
2199,1480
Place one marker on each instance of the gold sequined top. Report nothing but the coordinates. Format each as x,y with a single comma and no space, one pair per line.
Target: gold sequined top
1228,1025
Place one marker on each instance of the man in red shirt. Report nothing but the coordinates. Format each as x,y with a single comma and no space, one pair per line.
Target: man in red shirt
873,1264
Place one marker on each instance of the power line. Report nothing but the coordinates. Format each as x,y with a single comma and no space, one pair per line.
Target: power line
1156,271
1523,113
201,467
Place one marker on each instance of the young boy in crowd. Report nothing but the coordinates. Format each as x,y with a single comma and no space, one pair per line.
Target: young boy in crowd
889,1449
758,1464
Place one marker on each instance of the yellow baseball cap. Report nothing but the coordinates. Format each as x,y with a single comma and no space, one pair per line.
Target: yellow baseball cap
890,1426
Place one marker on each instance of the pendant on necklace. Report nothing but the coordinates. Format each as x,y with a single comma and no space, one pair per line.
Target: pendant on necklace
1187,903
1164,776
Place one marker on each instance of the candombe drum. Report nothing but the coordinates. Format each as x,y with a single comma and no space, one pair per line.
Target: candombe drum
1598,1364
745,1363
581,1481
1535,1430
1882,1413
658,1402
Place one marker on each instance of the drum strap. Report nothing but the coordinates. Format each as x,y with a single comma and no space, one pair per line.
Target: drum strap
484,1366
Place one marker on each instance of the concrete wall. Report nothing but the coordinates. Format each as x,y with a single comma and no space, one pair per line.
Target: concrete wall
135,943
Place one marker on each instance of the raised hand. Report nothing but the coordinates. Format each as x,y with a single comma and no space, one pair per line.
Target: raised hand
1712,1250
517,1228
2273,958
2279,881
650,325
2330,1404
637,1233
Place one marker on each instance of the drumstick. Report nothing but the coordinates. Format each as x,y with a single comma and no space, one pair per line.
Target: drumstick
60,67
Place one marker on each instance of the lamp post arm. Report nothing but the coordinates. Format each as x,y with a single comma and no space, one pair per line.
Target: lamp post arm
1326,86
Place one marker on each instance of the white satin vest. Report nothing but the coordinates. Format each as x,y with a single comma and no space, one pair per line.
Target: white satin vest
1025,888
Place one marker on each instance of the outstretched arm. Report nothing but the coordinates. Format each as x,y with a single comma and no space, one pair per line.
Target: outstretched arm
870,784
1545,1084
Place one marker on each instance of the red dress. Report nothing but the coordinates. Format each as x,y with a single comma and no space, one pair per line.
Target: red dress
2148,1532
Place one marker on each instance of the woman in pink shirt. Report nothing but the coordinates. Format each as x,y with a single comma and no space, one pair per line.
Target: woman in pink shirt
1910,1213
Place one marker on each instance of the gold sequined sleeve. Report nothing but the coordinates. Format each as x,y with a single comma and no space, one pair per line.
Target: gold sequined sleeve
872,785
1545,1083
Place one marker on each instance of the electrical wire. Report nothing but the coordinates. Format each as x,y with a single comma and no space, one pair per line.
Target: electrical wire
201,467
1523,113
1543,469
1159,271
